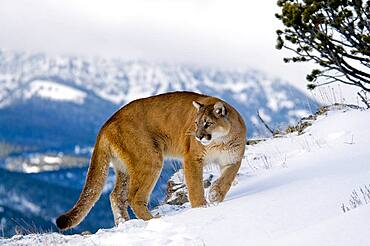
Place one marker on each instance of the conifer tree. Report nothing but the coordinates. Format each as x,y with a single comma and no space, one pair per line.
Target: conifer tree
334,34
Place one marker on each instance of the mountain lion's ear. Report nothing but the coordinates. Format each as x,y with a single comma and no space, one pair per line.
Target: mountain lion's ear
219,109
197,105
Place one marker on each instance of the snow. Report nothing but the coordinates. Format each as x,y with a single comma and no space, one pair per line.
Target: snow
289,192
133,232
55,91
53,160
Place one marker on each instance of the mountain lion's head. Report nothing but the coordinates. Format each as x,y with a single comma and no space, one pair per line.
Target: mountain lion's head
211,122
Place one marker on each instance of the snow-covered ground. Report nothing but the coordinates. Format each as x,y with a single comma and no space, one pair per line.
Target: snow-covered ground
290,191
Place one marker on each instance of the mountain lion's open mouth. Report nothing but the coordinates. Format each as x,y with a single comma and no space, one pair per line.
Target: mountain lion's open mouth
204,141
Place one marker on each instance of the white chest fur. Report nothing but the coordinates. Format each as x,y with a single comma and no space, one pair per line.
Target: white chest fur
222,157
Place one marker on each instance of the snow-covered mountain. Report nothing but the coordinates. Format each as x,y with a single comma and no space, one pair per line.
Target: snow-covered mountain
297,189
59,102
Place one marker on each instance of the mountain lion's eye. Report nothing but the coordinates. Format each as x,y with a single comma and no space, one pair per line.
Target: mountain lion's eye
207,124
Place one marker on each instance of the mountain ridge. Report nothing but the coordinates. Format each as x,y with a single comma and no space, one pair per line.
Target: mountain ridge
80,94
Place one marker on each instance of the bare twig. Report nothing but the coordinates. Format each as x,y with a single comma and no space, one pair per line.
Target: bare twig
264,123
363,99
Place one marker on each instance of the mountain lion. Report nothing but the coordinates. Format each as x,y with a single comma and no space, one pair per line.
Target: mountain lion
196,128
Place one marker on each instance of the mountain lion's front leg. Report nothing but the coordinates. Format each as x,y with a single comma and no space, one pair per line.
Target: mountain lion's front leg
193,170
222,185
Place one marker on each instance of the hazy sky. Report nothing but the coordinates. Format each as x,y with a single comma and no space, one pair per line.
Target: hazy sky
221,33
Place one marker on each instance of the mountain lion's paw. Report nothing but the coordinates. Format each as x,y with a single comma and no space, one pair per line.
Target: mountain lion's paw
214,195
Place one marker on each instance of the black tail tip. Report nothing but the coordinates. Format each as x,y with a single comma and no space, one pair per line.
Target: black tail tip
63,222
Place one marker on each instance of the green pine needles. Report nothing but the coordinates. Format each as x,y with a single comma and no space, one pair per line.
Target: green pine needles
334,34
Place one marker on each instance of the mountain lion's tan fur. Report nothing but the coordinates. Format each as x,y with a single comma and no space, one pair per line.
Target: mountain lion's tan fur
196,128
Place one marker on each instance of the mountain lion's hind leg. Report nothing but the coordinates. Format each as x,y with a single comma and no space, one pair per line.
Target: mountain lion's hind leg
222,185
142,183
119,197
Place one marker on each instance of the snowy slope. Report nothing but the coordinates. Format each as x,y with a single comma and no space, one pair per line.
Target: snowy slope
54,91
290,191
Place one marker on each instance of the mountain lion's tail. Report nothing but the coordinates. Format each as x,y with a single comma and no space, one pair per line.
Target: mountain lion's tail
93,187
